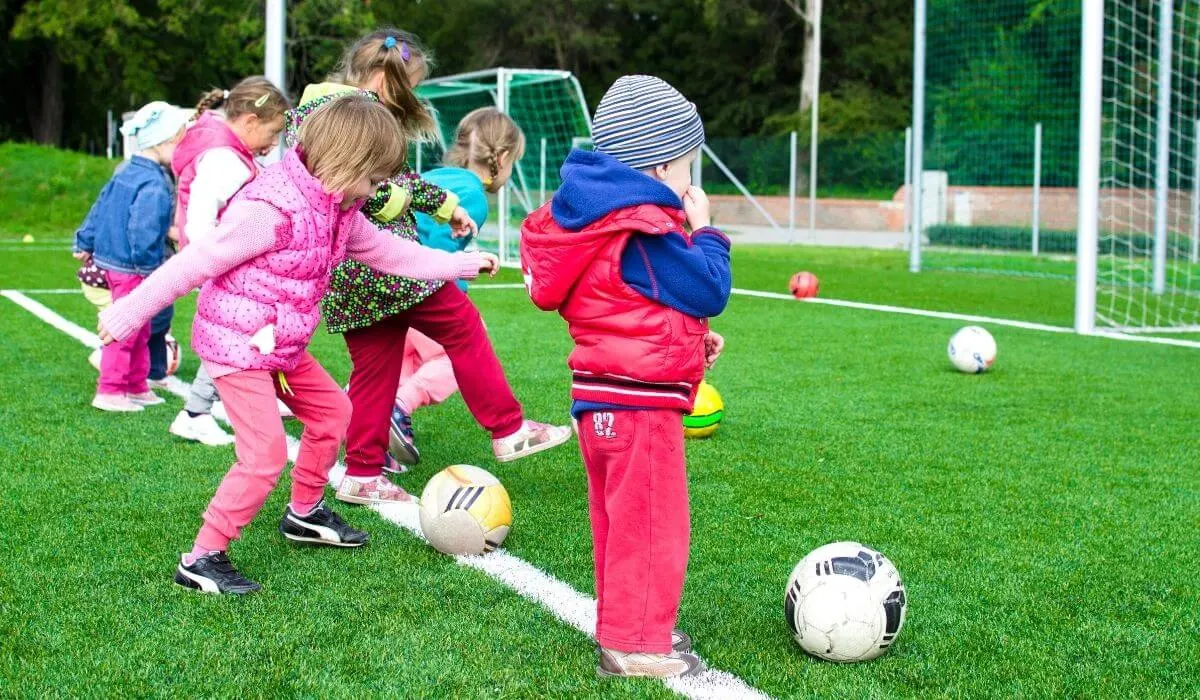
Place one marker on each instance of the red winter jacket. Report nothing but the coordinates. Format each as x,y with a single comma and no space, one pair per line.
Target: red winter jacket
629,350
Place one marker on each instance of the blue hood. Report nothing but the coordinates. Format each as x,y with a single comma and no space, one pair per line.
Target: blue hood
595,184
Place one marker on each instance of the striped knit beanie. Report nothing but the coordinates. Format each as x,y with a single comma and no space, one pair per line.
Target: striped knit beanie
643,122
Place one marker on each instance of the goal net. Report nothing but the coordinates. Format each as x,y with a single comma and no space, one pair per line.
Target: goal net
549,107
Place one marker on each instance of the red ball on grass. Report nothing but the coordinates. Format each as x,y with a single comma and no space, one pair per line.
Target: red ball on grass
804,285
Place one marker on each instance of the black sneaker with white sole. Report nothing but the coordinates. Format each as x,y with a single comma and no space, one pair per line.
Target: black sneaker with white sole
214,573
321,526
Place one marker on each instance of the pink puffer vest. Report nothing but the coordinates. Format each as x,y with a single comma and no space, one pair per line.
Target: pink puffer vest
282,287
210,131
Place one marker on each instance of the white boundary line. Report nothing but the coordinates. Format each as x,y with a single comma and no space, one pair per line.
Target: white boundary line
863,306
525,579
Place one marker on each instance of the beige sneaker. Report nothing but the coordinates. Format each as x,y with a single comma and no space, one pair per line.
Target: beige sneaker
147,398
369,491
638,664
533,437
115,403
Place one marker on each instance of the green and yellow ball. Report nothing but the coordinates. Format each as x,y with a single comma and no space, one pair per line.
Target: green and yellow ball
706,415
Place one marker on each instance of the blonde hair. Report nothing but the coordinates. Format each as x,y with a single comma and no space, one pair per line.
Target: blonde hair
397,54
254,95
350,138
483,136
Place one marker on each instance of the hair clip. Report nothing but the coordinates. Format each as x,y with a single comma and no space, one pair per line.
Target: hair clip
225,95
262,100
389,42
404,52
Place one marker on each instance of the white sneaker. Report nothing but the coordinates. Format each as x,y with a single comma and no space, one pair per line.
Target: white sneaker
147,398
284,411
637,664
115,403
370,491
533,437
203,429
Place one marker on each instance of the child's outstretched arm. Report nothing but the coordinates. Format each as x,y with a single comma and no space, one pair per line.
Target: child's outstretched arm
404,258
440,203
248,229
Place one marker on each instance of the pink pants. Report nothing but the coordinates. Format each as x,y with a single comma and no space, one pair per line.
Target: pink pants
638,503
426,375
261,444
125,366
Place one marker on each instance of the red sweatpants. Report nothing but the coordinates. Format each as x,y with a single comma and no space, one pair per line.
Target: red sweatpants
376,353
638,503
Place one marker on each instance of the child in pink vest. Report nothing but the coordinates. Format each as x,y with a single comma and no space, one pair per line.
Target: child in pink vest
264,271
214,161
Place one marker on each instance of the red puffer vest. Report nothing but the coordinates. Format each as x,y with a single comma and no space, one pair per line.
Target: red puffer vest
210,131
629,350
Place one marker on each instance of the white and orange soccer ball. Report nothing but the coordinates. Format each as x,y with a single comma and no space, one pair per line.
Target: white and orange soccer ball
972,350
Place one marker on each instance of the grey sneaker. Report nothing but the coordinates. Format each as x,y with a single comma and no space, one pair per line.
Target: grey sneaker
615,663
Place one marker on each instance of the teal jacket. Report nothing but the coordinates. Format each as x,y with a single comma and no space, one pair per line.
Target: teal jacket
471,196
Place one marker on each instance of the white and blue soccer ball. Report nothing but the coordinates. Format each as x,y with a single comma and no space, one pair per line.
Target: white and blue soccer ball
845,602
972,350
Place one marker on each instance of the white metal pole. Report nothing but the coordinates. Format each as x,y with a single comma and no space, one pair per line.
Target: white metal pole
813,127
908,189
108,134
918,140
419,149
275,58
698,169
542,176
1088,224
1196,193
1166,15
793,147
1037,185
502,197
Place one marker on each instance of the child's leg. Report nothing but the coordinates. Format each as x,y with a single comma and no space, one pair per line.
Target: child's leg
160,325
375,353
451,320
324,409
203,395
637,458
261,448
426,377
123,363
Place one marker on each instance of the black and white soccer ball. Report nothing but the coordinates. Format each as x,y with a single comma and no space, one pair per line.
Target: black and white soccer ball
845,602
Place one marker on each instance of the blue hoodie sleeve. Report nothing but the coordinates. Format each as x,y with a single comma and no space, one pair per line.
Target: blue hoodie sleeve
693,278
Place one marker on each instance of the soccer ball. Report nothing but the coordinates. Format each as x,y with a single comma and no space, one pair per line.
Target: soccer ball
465,510
706,415
972,350
804,285
845,602
174,355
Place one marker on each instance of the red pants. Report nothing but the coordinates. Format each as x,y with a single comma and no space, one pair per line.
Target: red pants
261,444
377,351
638,503
125,366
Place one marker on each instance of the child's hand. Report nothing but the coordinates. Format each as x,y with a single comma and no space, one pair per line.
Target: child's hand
83,256
173,234
714,343
461,224
105,336
695,205
490,265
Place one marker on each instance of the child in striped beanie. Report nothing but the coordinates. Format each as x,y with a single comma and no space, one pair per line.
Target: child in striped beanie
626,253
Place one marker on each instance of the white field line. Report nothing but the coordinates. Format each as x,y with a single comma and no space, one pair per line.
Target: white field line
525,579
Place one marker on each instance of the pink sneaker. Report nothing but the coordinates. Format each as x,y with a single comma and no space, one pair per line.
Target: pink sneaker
147,398
115,403
370,491
533,437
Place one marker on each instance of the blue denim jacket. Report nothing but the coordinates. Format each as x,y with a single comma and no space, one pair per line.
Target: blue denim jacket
126,229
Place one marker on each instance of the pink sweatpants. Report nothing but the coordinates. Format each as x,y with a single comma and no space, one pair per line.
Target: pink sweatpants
426,374
125,366
638,503
261,444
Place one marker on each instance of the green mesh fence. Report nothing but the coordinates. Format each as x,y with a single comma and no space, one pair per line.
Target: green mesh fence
549,108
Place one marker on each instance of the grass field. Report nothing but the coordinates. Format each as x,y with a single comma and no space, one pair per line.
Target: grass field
1044,515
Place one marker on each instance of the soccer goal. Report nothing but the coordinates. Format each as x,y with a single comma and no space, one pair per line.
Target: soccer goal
1138,266
549,107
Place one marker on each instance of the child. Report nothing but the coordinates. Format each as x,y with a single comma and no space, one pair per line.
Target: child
486,145
374,310
611,254
214,161
124,235
264,270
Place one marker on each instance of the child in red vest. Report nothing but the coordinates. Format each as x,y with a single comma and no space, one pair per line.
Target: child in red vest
626,253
